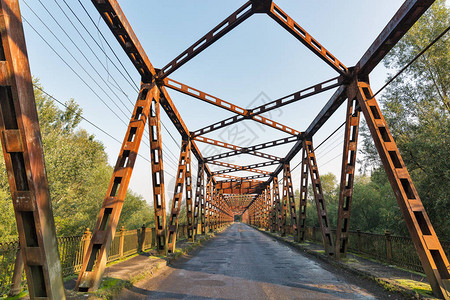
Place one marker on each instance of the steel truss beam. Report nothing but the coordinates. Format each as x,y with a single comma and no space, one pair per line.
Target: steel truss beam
235,148
203,206
298,32
94,261
236,18
208,195
279,206
195,93
322,214
288,197
401,22
347,172
294,97
235,168
239,179
159,202
303,197
426,242
253,149
244,187
114,17
257,165
188,189
172,226
24,160
199,196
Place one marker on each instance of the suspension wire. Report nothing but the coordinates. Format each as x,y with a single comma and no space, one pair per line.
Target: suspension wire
95,54
98,30
412,61
328,137
76,60
130,82
79,76
65,62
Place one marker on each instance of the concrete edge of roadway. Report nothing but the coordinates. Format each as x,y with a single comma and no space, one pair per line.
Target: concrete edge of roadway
387,284
127,272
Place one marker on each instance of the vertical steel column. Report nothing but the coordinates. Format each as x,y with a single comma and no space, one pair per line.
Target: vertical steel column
428,247
24,160
288,192
269,207
203,210
159,202
189,204
318,197
303,196
172,226
208,204
94,261
274,209
199,194
211,209
347,173
279,205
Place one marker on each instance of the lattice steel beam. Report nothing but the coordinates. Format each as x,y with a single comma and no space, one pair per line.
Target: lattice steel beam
189,203
303,36
234,168
347,172
432,256
316,184
294,97
253,149
94,261
238,178
238,150
199,195
114,17
236,18
24,161
208,98
398,26
288,197
303,197
172,226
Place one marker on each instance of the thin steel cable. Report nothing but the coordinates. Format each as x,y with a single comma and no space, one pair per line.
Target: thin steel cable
412,61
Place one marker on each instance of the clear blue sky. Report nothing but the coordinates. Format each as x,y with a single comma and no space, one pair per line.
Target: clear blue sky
257,62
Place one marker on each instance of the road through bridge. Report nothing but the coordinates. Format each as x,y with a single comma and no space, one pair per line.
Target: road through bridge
238,264
216,197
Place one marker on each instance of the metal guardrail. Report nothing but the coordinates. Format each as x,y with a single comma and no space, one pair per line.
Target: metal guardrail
392,249
72,250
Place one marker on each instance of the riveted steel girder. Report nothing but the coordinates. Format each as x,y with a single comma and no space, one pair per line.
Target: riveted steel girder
432,256
24,161
94,261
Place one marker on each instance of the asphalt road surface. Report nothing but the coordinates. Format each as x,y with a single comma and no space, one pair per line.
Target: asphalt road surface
243,263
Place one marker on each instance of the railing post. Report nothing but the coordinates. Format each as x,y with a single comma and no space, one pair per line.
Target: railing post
358,232
121,240
387,234
141,240
153,236
86,240
17,275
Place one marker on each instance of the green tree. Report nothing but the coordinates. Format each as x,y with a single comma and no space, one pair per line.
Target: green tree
416,106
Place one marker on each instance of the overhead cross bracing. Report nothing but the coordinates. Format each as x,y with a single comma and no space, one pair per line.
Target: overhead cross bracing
261,198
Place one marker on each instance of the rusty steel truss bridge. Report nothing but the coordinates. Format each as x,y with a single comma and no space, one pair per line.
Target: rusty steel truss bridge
212,202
